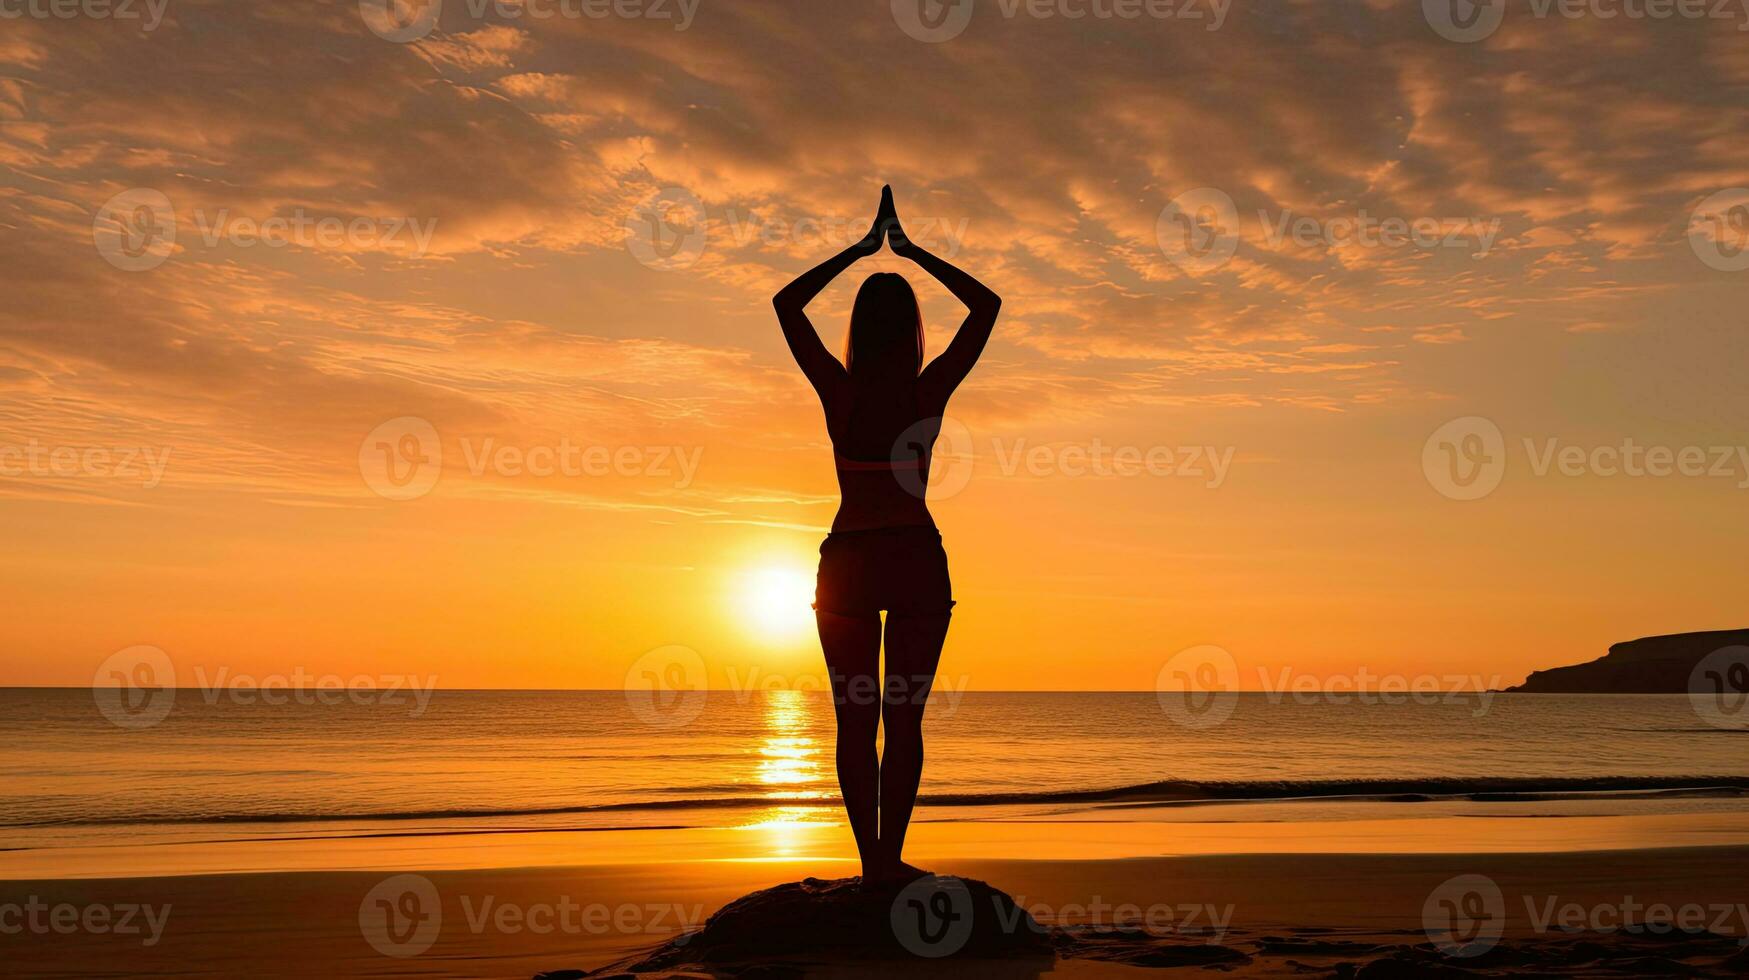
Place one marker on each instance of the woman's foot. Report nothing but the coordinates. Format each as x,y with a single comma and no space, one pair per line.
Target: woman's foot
906,872
896,872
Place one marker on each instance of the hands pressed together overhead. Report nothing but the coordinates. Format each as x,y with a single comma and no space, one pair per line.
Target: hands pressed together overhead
947,370
886,226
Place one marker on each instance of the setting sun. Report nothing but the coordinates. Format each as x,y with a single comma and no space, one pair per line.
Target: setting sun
776,601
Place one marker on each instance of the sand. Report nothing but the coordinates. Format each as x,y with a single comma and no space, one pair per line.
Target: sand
1283,914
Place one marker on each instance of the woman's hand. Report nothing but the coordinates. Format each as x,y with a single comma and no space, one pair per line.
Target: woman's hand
884,218
896,238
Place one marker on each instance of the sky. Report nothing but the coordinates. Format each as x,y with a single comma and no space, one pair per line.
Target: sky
351,343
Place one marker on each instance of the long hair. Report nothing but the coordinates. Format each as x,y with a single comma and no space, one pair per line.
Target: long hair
886,330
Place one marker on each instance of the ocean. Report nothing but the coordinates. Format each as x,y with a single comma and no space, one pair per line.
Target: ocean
218,769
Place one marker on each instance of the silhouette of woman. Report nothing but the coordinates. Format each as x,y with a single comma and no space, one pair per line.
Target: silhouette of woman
883,414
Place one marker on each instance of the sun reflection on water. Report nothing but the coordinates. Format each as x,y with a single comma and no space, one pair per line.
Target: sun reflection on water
789,769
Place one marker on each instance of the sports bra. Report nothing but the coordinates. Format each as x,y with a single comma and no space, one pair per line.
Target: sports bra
849,465
895,461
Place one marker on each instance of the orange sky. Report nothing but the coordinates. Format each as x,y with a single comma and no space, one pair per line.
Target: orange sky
1040,153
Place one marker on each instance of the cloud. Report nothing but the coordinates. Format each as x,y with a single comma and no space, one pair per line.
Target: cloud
1043,150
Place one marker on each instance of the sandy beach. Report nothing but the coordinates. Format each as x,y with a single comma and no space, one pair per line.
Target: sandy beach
1268,914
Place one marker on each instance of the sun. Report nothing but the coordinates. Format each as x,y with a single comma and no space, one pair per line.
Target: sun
776,601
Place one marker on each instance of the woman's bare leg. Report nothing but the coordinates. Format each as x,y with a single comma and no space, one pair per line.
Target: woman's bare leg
913,650
853,652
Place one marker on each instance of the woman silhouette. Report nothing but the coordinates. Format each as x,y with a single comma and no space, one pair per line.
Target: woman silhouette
883,413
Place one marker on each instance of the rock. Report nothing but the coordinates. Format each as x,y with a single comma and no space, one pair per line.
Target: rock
1652,665
784,930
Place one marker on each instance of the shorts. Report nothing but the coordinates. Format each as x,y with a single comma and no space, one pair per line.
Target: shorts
902,570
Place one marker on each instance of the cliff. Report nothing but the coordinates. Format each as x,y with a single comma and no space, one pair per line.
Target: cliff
1651,665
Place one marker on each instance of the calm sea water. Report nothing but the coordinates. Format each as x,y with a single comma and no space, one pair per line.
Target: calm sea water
218,768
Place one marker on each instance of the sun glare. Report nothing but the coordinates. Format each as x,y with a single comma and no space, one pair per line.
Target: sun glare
776,601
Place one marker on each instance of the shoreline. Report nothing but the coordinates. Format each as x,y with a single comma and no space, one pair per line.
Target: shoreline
799,836
1160,793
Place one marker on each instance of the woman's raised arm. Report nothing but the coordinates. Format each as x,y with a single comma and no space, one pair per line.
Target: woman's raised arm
822,369
945,373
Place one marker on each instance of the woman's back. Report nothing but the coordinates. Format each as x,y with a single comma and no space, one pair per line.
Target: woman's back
881,438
